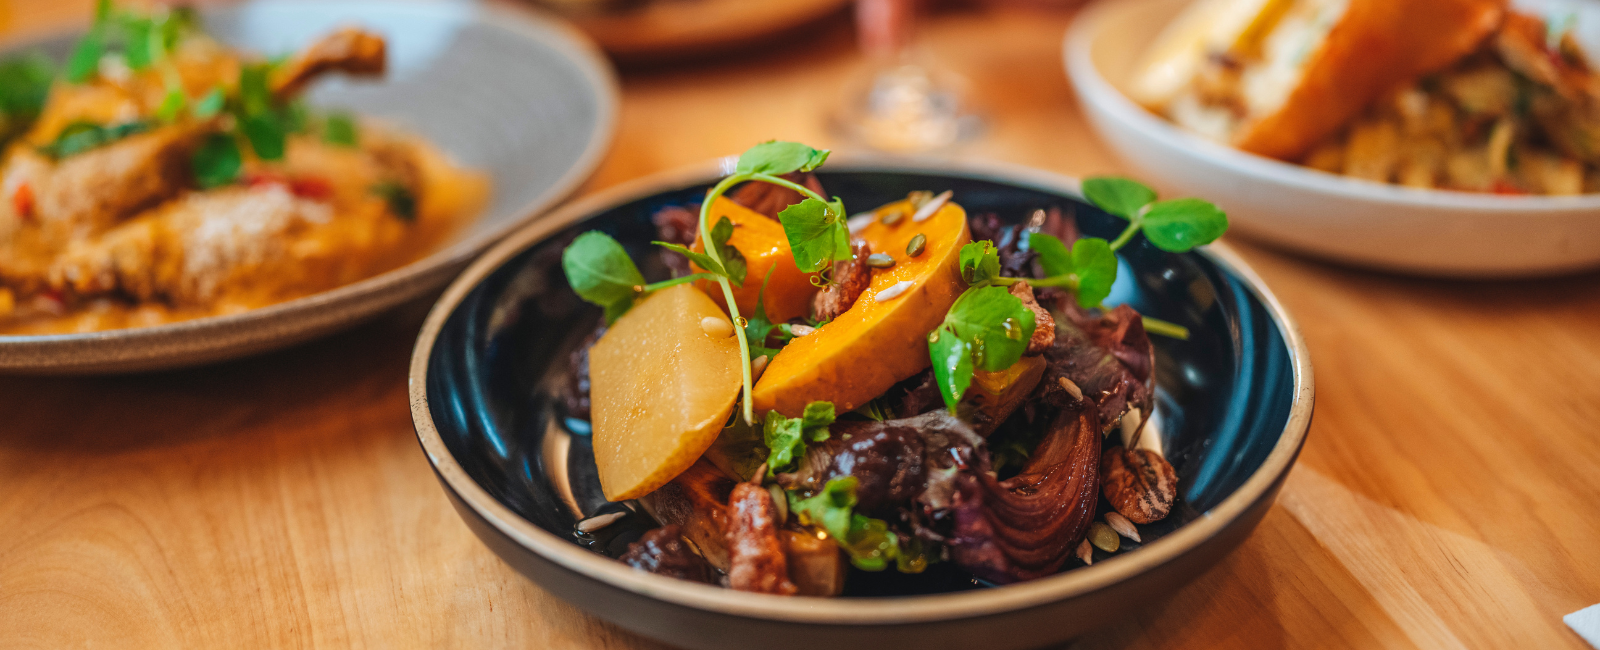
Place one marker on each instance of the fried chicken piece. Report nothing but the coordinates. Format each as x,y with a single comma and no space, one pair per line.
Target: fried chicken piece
88,193
350,50
253,244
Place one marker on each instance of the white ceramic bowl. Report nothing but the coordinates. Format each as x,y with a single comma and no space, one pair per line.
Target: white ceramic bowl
1431,232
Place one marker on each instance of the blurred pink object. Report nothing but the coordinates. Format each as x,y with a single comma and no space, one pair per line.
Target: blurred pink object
884,26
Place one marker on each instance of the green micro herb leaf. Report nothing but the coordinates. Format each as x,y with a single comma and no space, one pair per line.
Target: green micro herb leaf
217,161
85,59
952,364
340,129
402,203
1089,268
817,233
980,263
1119,196
171,104
266,135
778,158
600,271
758,328
986,329
24,87
79,137
210,104
137,53
732,260
738,450
787,437
1096,267
701,260
869,542
1179,225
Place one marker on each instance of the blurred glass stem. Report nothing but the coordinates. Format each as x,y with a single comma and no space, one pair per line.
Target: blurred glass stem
901,102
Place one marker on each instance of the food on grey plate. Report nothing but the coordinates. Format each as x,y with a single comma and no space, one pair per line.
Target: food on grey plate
1453,94
160,176
813,397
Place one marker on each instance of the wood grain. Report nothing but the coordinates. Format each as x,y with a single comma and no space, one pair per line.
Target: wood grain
1446,497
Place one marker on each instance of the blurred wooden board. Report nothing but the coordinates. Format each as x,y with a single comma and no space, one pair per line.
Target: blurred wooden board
1446,497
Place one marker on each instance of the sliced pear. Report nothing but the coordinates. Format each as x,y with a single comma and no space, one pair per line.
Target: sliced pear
662,383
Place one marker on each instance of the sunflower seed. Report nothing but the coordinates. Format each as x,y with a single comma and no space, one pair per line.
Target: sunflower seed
599,521
858,222
892,217
1085,552
1071,388
757,366
801,330
932,206
1123,527
894,290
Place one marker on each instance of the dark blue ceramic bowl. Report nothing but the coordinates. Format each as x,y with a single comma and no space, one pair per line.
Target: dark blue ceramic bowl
1234,403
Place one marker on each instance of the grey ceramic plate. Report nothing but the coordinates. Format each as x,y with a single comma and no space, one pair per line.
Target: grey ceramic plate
526,98
1234,401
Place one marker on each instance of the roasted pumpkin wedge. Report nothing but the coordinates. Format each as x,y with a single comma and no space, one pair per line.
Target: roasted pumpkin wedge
663,380
882,339
761,241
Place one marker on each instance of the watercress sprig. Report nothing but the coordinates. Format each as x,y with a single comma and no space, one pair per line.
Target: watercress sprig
1090,267
599,270
868,542
815,227
986,328
786,437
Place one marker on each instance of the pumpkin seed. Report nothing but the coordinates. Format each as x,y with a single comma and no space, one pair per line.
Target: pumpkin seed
917,244
880,261
1104,538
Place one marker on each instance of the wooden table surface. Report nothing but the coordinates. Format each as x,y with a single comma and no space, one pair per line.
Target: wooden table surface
1448,495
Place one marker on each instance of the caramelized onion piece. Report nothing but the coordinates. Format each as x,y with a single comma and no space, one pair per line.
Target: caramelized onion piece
1025,527
663,552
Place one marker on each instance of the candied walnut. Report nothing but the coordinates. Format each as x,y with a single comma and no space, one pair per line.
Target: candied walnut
755,556
663,552
1044,325
850,279
1139,483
